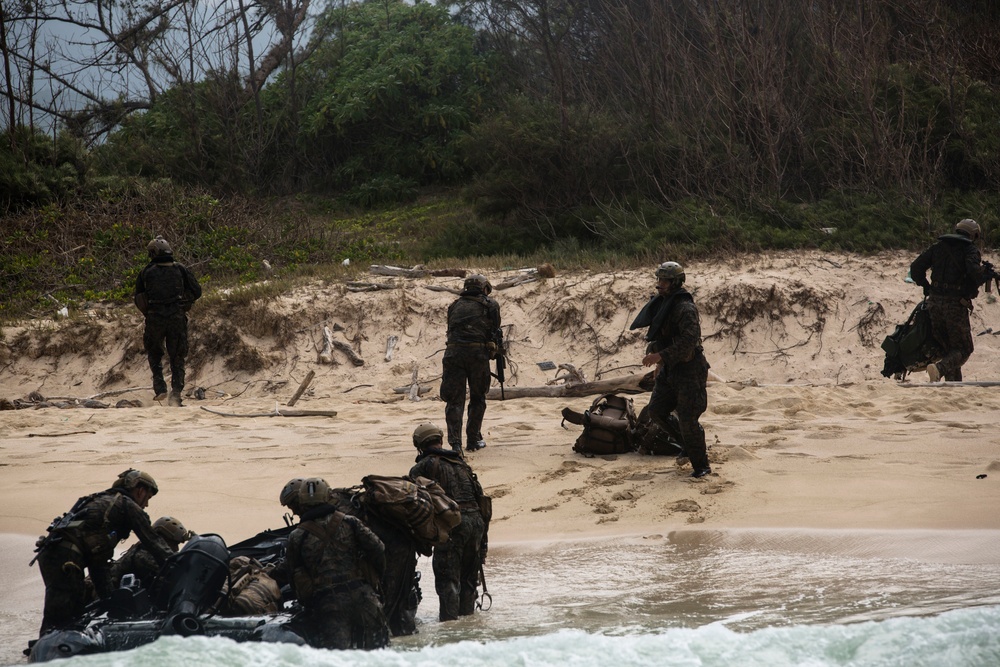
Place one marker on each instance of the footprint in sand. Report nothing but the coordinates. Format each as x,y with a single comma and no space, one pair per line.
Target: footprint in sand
545,508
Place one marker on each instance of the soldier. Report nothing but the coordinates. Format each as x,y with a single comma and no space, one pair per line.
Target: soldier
956,274
399,586
472,341
457,563
85,538
327,556
139,560
681,368
164,291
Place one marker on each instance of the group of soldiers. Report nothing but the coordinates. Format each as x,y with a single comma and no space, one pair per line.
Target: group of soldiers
352,573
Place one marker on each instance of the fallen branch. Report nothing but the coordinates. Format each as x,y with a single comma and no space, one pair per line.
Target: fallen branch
357,286
414,393
326,355
57,435
302,387
277,413
629,384
422,389
514,281
385,270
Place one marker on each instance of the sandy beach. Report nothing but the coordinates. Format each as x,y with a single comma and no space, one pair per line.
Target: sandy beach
803,431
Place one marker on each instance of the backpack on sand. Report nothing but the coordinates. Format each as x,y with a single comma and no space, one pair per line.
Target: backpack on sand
911,346
419,506
607,426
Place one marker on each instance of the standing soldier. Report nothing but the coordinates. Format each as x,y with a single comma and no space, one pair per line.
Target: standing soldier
956,274
473,326
164,291
458,562
327,556
85,538
682,371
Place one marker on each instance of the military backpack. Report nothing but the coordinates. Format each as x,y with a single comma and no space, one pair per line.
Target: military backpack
607,426
419,506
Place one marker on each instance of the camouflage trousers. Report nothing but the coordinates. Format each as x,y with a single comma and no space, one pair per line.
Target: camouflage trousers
953,333
683,388
344,619
168,331
462,367
456,567
65,588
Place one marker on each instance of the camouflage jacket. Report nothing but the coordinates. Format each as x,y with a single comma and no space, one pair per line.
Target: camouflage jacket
328,550
165,288
473,318
955,265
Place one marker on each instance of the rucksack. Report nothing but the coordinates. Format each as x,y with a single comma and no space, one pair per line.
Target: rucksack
418,505
651,438
607,426
911,346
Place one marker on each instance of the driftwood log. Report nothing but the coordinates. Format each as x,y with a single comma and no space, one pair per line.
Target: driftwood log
302,387
418,271
421,389
278,412
358,286
629,384
326,355
390,347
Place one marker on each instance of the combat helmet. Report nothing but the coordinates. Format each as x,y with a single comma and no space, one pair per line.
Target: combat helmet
289,495
478,281
425,433
171,529
670,271
132,478
158,247
314,491
968,227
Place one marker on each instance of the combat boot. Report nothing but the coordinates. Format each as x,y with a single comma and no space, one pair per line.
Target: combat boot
174,400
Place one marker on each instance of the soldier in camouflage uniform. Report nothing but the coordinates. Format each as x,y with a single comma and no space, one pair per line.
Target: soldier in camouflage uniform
85,538
473,321
327,555
956,273
164,292
456,563
682,371
399,586
139,560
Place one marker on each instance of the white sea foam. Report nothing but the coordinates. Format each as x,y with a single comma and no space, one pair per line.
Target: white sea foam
960,638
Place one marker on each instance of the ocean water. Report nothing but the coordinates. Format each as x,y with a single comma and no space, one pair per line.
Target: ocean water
754,598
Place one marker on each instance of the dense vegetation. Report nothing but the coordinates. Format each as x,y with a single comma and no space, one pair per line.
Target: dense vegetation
409,132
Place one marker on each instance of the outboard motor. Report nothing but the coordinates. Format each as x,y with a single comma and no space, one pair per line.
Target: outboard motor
190,581
65,644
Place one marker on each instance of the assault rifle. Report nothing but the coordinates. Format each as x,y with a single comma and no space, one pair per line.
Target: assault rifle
501,359
991,276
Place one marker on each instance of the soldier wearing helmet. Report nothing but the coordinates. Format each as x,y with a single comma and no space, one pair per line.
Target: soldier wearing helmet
457,562
472,335
325,560
85,539
957,272
139,560
164,292
681,375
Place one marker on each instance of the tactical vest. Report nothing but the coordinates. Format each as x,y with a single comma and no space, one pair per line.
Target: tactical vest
164,284
470,320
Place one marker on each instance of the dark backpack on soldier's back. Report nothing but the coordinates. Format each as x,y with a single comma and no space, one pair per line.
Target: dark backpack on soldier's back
911,346
607,426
